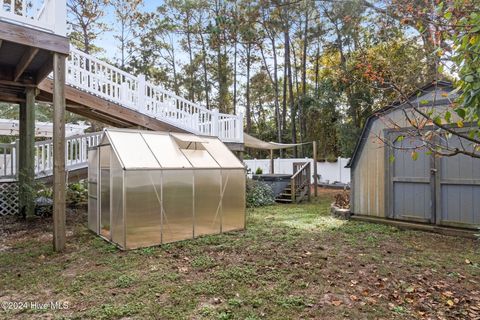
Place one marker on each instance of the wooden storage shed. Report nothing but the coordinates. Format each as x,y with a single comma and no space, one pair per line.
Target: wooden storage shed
388,183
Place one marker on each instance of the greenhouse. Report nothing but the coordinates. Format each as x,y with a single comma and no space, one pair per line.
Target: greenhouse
147,188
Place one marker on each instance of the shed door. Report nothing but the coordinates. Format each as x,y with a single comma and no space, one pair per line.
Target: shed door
411,182
459,187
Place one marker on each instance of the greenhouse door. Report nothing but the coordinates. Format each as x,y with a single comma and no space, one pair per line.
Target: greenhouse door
410,181
105,191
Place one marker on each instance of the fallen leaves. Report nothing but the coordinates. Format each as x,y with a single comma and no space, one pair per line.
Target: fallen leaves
336,302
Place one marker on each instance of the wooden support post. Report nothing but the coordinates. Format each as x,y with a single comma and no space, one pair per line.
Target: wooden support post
272,168
59,152
240,155
26,169
315,177
309,174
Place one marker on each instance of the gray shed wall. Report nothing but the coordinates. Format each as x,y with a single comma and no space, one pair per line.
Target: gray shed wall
405,189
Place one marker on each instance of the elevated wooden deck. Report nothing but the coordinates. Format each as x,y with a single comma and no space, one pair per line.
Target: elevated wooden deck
26,58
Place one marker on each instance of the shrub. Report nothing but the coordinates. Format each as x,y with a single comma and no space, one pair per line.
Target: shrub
259,194
43,200
332,158
77,194
259,171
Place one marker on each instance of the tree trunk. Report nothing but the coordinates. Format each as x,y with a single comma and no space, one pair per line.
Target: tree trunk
295,66
221,62
348,91
317,70
174,67
290,92
275,79
205,70
303,123
235,65
86,41
247,98
122,44
235,78
191,91
285,75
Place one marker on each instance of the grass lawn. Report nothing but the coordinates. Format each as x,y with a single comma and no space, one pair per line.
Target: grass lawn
292,262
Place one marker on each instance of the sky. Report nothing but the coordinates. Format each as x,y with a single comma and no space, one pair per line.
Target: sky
107,40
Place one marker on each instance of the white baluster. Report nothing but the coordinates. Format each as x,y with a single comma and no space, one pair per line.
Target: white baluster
239,126
141,92
215,122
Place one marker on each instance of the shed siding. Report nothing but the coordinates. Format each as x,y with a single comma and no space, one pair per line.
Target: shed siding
369,169
369,175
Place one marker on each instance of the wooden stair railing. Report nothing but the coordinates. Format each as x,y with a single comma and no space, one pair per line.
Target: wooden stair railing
299,187
300,182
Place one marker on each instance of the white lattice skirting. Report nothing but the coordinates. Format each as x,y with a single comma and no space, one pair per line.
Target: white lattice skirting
8,198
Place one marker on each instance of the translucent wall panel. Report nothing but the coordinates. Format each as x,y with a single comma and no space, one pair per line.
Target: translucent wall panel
142,208
221,153
92,190
166,151
92,214
177,205
207,201
233,202
116,204
132,150
105,191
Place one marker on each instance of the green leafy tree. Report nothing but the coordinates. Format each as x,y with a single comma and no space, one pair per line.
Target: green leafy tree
128,19
85,19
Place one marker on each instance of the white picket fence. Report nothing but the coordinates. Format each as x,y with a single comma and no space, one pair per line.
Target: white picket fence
329,172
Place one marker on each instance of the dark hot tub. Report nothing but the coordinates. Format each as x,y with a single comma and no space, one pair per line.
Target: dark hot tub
278,182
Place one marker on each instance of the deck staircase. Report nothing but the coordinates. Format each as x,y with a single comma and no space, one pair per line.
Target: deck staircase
298,189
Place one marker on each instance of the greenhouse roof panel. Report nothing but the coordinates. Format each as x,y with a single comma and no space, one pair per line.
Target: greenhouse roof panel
137,149
166,151
132,150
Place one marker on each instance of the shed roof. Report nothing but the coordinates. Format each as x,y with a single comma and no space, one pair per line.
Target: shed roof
138,149
421,94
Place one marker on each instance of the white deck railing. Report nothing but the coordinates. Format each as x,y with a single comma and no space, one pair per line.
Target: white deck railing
99,78
76,150
8,160
45,15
